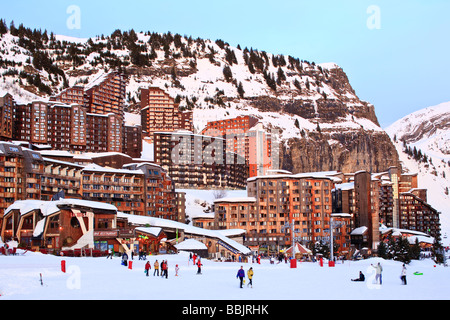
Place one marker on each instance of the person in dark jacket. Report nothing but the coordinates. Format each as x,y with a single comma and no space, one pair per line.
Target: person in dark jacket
199,266
241,275
361,277
125,259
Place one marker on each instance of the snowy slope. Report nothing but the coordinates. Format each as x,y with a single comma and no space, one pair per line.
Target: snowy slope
202,88
428,130
105,279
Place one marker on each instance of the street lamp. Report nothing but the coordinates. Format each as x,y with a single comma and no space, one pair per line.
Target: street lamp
332,226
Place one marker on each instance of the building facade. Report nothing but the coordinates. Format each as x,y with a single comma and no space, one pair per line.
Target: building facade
197,161
159,112
7,108
138,188
246,137
276,201
390,199
104,95
71,128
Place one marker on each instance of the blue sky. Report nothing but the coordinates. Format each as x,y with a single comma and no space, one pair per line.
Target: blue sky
400,66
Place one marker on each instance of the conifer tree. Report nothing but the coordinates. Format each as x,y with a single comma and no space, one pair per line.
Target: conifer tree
240,90
3,27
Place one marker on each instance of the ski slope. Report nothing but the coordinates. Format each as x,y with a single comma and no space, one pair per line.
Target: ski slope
106,279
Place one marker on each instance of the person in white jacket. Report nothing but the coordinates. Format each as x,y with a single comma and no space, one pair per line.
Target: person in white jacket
403,275
378,275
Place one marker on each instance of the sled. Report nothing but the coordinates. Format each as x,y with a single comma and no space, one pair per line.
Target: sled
417,273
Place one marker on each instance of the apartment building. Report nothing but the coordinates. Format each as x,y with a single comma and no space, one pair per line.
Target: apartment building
389,198
197,161
60,178
31,122
275,201
160,198
236,126
159,112
138,188
417,215
104,132
104,95
7,108
121,187
246,137
71,128
72,95
20,174
132,141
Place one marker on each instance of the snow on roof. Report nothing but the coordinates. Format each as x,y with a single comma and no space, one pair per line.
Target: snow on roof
191,244
164,223
359,231
316,175
49,207
345,186
231,232
412,239
86,203
397,231
63,162
26,206
154,231
236,199
96,168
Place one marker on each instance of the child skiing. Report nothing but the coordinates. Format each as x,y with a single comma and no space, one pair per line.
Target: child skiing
147,268
176,270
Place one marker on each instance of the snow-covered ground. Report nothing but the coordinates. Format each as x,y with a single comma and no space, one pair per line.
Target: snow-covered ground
106,279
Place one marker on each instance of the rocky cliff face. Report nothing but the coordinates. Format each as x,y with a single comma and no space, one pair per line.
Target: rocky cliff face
355,151
323,125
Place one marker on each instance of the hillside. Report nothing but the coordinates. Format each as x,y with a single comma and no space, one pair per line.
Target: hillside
323,124
422,140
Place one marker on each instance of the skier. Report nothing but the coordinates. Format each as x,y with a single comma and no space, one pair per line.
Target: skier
403,274
361,277
125,259
156,265
164,267
194,257
176,270
110,253
250,277
199,265
379,270
147,267
259,259
241,275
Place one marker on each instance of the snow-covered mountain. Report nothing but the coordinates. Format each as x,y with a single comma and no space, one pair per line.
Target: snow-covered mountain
422,140
322,123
